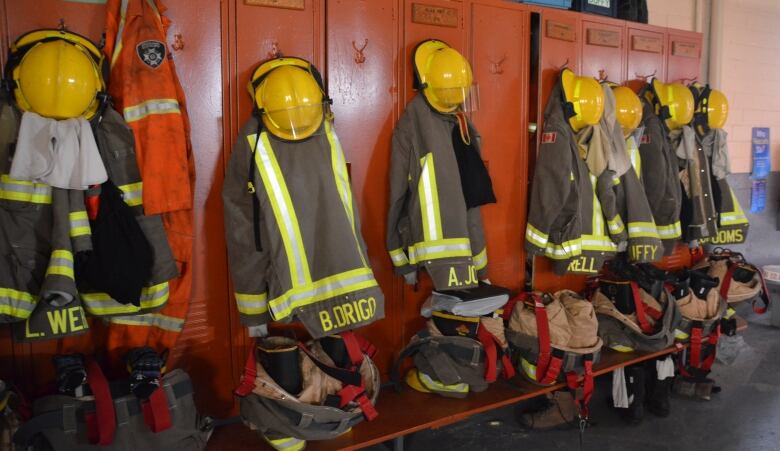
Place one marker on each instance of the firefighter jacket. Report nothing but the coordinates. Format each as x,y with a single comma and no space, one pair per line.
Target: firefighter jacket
428,224
116,146
732,222
697,215
296,250
565,218
644,243
660,175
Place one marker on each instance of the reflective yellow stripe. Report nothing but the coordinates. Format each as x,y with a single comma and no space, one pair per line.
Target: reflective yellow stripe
616,225
433,385
326,288
433,250
133,193
535,236
157,320
729,313
18,304
598,215
667,232
680,335
252,304
283,209
150,107
733,217
61,263
119,33
635,156
21,191
642,230
565,250
480,260
79,224
621,348
342,183
286,444
528,368
598,243
102,304
429,200
398,256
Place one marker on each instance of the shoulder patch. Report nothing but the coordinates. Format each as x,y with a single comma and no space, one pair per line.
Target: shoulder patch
549,137
645,139
151,53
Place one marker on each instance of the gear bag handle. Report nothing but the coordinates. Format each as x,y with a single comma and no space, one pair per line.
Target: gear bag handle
101,424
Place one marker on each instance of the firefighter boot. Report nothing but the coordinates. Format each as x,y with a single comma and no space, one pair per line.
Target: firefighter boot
635,385
658,396
560,412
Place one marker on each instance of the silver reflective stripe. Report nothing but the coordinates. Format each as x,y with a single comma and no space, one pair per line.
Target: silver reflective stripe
421,252
168,323
16,303
154,106
328,287
430,213
285,443
120,31
285,220
460,387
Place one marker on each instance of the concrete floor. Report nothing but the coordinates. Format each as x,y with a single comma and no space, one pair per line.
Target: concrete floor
745,416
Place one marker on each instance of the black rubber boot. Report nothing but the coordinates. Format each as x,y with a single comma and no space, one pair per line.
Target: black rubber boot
658,393
635,385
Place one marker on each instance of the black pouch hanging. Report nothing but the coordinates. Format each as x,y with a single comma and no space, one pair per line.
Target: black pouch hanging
120,263
474,177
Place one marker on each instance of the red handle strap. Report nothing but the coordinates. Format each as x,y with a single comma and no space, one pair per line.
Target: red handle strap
764,295
573,383
247,383
354,349
713,341
553,370
695,348
101,424
543,333
639,306
156,413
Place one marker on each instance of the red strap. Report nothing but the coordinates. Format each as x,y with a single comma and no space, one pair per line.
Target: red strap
508,368
725,285
509,307
353,348
247,383
92,427
653,313
553,370
695,360
573,383
105,418
366,346
639,306
543,333
156,413
491,353
92,203
713,341
368,409
764,295
358,394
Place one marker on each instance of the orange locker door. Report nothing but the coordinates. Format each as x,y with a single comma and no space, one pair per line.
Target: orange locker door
683,56
256,33
435,19
645,55
362,79
603,55
500,65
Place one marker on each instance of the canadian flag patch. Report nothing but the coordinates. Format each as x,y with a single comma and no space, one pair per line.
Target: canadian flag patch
645,139
549,137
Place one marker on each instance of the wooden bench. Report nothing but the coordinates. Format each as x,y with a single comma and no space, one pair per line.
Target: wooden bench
408,411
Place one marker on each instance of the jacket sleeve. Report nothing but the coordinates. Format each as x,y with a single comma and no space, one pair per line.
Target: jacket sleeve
478,244
609,206
59,284
551,187
80,230
248,265
398,233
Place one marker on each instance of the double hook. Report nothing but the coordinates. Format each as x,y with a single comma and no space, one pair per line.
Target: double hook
360,58
646,78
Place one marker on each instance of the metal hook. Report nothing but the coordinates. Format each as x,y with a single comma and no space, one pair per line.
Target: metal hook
565,65
602,75
61,25
496,66
178,42
360,58
690,80
646,77
275,51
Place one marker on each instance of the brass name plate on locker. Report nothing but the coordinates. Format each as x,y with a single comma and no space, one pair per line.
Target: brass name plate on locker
603,38
434,15
287,4
686,49
646,44
558,30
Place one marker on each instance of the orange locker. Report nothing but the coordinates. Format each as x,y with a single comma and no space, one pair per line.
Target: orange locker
645,54
363,77
603,49
500,68
683,56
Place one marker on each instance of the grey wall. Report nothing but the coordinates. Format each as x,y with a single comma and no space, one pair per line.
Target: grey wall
763,242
